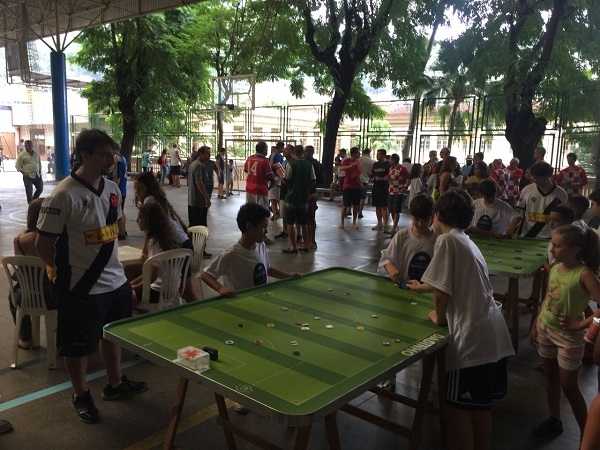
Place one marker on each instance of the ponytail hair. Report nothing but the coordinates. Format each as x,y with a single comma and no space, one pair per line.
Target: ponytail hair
586,240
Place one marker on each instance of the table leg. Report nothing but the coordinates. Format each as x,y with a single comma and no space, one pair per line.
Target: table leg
421,407
512,300
176,414
224,415
441,373
333,435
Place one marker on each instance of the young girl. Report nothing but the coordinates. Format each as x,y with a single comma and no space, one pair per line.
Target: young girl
416,182
230,176
159,237
558,331
148,190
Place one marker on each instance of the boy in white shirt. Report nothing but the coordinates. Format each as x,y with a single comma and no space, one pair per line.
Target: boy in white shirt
480,343
492,216
411,249
245,264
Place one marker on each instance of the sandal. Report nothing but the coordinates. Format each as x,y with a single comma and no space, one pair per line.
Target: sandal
289,250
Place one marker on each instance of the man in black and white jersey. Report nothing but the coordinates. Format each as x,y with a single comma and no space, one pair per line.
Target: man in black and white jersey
78,236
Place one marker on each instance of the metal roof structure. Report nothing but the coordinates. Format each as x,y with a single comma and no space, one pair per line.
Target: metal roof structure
25,20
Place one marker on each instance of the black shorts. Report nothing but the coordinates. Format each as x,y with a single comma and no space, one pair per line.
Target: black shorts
221,179
340,183
351,196
81,318
154,295
311,210
474,388
198,215
175,170
379,197
363,192
295,214
395,203
122,203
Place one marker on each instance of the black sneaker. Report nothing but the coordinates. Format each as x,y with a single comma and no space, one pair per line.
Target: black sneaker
282,235
127,387
549,428
84,407
5,425
207,255
360,216
268,241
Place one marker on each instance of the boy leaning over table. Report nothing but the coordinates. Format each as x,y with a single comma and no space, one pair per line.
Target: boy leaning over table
246,263
479,339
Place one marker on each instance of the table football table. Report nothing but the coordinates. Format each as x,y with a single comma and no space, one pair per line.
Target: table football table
297,349
516,259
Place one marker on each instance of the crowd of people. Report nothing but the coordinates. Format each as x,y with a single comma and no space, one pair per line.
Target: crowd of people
446,203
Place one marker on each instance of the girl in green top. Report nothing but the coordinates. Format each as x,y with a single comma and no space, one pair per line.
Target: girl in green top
558,331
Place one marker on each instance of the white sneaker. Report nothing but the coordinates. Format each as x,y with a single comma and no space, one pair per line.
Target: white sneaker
240,409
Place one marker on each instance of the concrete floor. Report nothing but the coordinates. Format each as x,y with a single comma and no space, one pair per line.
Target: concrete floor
37,401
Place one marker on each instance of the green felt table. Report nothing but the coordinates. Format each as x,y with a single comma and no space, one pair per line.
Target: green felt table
518,258
513,258
334,365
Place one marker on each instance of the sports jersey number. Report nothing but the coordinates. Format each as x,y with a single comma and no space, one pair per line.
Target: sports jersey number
252,169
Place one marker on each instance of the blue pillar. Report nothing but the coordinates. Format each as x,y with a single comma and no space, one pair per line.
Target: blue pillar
58,71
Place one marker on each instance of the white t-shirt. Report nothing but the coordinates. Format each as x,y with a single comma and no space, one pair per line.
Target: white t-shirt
495,217
533,203
409,254
241,268
416,186
174,160
85,222
366,164
478,332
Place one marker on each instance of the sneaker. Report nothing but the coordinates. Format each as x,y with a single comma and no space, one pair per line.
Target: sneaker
268,241
84,407
240,409
207,255
298,239
282,235
360,216
377,228
127,387
388,383
549,428
5,425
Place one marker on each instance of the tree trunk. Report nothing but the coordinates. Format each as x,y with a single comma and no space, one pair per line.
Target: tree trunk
524,131
334,117
412,126
219,130
452,124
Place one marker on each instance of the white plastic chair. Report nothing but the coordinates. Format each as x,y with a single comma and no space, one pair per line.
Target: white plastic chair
29,272
171,265
198,235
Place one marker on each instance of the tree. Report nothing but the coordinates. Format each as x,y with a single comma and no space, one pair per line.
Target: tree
248,37
139,59
536,49
352,29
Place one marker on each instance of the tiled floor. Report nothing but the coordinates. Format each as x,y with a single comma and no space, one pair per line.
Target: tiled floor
37,400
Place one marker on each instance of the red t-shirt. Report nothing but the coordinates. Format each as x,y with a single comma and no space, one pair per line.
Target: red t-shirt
258,169
352,176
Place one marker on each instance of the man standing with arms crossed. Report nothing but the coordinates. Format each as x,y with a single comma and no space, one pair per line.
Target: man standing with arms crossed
30,165
78,235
